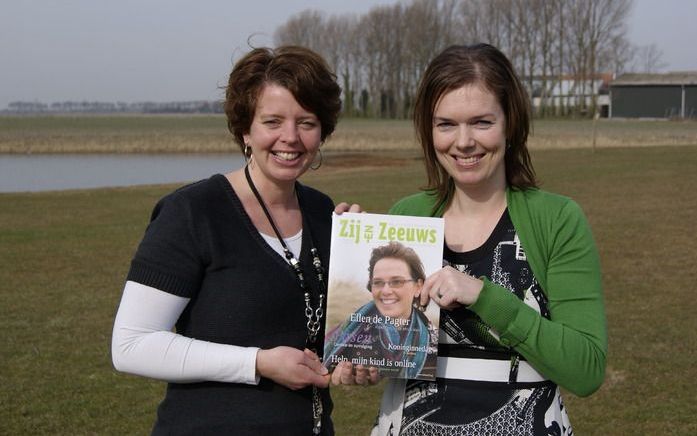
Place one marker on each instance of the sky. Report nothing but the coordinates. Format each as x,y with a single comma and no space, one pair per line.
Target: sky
178,50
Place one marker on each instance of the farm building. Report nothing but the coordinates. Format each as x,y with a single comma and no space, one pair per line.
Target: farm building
561,94
669,95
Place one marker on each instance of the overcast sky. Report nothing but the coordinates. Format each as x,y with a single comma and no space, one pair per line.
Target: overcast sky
167,50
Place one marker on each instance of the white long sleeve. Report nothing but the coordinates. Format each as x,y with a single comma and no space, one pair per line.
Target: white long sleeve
143,343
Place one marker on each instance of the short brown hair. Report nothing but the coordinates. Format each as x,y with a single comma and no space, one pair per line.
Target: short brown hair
396,250
483,64
298,69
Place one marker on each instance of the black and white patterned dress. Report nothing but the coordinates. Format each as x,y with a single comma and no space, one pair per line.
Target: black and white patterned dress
450,406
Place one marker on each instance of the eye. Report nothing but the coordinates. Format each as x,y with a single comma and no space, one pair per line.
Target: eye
377,284
444,125
271,122
483,124
308,124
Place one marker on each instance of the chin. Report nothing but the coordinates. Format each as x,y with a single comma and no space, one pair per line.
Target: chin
393,315
287,174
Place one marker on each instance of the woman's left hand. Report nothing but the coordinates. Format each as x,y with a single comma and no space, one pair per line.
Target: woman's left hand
450,288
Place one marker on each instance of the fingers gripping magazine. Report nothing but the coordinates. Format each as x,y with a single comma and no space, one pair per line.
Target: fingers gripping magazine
374,318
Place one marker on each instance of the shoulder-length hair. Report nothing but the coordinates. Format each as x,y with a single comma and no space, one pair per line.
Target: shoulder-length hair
480,64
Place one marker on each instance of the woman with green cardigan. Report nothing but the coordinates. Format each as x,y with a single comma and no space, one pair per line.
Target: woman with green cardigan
520,293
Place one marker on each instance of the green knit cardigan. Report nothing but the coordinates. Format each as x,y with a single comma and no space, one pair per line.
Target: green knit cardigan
570,348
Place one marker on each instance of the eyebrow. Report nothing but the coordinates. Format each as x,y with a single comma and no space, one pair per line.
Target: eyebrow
307,116
475,117
392,277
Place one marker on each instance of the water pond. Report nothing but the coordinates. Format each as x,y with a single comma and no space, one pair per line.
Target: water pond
24,173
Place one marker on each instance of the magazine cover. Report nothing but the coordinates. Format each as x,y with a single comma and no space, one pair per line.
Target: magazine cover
377,267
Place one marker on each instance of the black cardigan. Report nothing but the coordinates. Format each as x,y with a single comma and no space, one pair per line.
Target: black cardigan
201,244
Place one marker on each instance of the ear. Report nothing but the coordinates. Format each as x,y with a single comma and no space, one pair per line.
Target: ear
419,284
245,138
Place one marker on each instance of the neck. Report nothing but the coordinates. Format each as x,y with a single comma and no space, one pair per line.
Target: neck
274,193
472,215
475,202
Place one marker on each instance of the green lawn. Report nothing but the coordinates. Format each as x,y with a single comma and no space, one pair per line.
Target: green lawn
64,257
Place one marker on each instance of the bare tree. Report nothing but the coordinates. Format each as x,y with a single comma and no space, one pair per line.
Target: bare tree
608,19
338,39
429,27
594,25
549,28
487,21
305,28
525,26
375,29
380,56
618,57
561,11
649,59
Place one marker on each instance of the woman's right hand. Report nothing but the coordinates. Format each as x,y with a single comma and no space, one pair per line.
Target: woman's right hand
450,289
344,374
292,368
345,207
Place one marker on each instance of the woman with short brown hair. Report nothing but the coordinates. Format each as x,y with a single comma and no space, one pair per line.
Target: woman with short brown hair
236,264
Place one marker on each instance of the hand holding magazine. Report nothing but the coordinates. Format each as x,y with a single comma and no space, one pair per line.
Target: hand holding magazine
377,269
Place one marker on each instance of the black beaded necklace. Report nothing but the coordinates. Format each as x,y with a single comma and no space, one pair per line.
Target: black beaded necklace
314,316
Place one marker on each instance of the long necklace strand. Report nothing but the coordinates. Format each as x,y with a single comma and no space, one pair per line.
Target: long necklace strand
314,316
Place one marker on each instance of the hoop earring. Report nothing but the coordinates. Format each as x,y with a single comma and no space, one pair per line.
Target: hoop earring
248,158
316,167
247,152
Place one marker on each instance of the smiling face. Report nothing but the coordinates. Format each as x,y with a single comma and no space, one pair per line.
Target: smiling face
390,301
469,137
284,137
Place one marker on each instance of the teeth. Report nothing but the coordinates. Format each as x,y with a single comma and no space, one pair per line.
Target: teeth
286,155
468,160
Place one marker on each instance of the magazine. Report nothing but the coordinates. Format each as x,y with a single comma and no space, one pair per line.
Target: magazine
377,267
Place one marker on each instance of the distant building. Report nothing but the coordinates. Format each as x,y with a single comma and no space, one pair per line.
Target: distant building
569,93
668,95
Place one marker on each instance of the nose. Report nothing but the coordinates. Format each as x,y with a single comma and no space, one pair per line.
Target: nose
289,133
464,138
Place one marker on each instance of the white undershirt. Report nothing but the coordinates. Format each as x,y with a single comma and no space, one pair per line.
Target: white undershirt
294,243
144,344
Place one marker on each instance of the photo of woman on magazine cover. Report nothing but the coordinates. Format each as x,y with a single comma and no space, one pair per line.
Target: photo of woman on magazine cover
390,332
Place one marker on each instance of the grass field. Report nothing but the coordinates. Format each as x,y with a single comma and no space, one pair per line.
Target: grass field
65,254
208,133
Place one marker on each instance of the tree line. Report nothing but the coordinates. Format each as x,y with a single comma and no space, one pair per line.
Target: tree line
379,56
101,107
